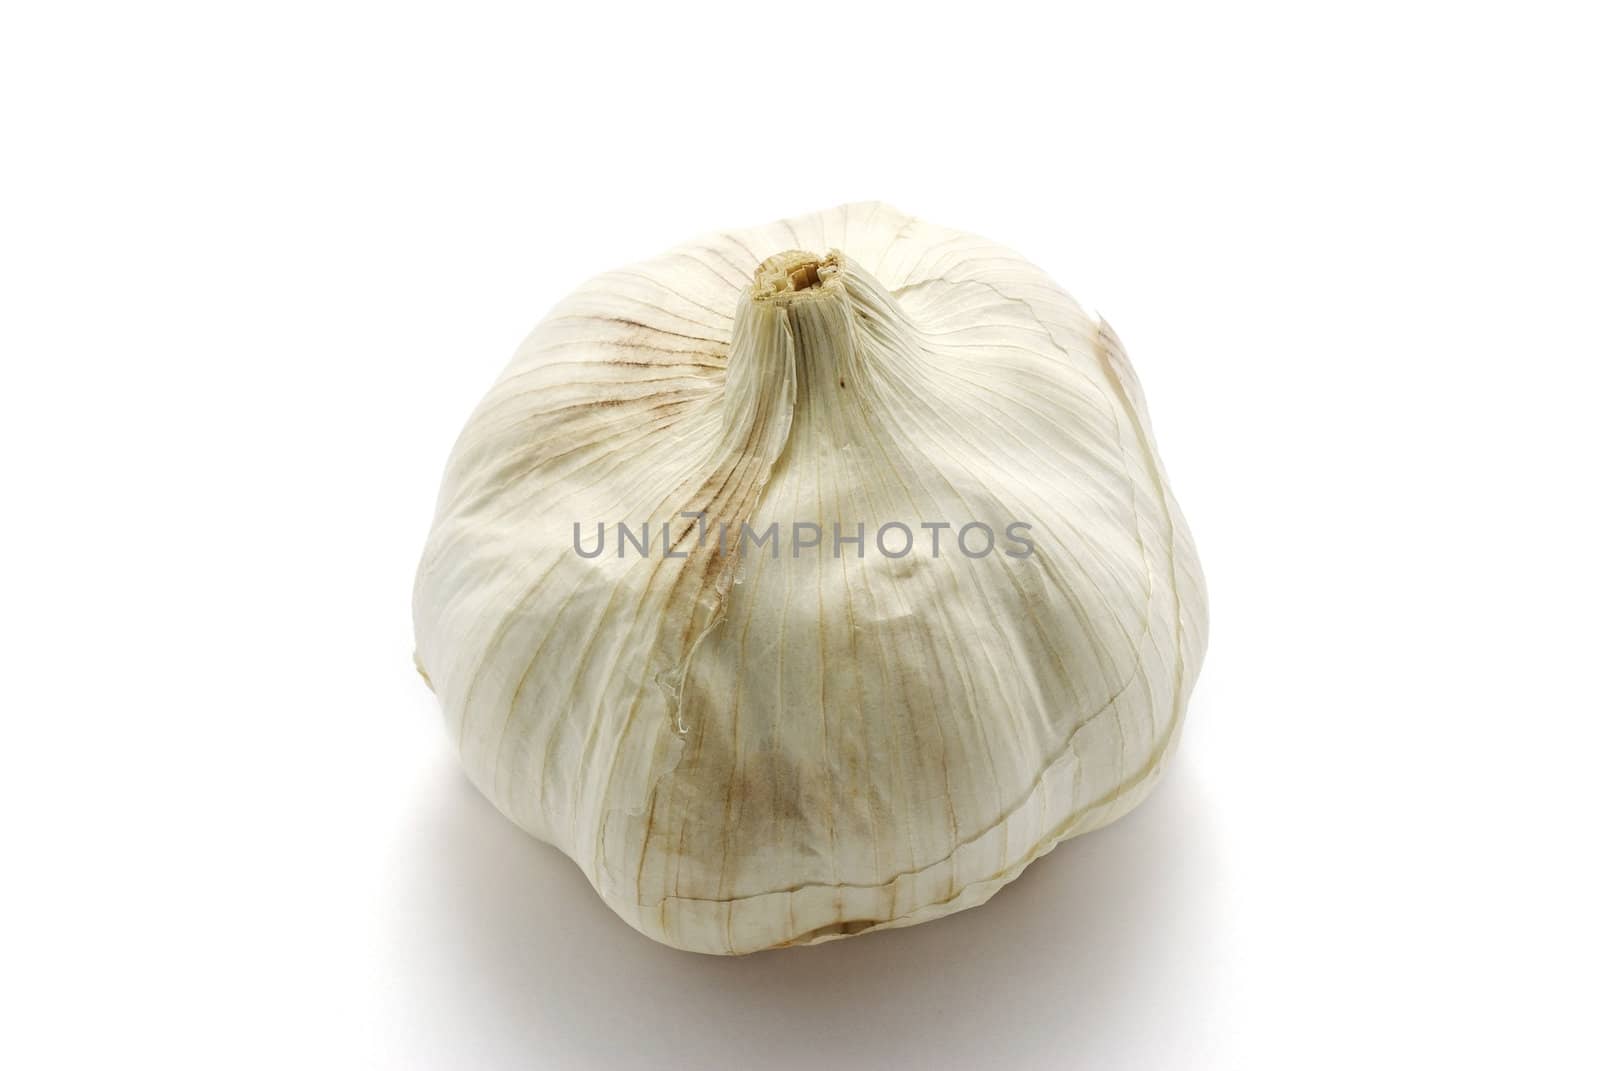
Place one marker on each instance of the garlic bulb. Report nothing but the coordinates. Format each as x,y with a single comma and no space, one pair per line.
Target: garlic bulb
811,579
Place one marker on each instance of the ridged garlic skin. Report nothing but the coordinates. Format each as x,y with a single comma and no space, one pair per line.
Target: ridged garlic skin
745,751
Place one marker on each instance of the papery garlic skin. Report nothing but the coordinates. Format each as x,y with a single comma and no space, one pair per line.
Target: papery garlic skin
744,752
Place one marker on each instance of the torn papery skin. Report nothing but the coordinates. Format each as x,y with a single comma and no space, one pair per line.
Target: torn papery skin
745,751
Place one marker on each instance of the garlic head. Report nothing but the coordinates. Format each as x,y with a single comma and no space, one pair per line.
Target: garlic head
811,579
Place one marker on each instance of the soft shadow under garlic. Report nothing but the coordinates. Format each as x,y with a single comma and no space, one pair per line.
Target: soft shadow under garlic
507,952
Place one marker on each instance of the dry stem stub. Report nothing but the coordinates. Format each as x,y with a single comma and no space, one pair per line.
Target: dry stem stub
794,272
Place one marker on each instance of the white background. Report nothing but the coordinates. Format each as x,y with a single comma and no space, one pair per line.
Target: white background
259,261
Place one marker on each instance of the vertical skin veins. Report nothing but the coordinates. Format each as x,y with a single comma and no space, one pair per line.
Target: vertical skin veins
744,750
